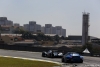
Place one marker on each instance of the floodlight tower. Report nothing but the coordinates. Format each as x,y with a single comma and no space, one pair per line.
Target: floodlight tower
85,28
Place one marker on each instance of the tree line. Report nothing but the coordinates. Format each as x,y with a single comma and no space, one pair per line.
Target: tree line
39,36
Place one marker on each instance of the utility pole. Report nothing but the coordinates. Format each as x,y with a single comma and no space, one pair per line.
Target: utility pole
0,32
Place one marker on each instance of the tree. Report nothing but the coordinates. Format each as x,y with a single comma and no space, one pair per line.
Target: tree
62,37
57,38
40,36
66,38
27,35
49,38
16,32
19,31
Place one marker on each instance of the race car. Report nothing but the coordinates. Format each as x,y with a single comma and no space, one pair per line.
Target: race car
44,54
72,57
52,53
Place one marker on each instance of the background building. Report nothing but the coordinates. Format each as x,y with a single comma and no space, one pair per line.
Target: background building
77,39
43,29
85,26
26,27
32,26
16,24
53,30
64,32
9,23
48,28
21,27
58,30
38,28
5,22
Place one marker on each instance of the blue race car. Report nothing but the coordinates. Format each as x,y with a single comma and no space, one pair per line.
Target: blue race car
72,57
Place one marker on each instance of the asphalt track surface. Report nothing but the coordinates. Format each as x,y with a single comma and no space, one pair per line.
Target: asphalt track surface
88,61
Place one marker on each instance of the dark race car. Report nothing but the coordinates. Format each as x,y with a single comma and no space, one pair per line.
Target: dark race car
72,57
52,53
44,54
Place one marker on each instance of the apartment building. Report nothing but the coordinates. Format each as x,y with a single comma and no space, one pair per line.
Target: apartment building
16,24
64,32
5,22
38,28
53,30
59,30
26,27
32,26
43,29
48,28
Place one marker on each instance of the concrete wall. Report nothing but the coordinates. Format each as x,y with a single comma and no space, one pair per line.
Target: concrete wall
7,39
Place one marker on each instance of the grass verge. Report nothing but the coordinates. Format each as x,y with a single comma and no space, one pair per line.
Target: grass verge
14,62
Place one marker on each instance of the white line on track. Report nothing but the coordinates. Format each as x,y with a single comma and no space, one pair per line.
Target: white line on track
21,51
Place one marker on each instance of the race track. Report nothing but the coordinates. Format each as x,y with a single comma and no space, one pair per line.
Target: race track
88,61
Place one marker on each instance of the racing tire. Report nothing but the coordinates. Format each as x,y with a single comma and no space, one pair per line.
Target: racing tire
81,61
62,60
43,55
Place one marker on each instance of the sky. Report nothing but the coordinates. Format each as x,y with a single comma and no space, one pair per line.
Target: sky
65,13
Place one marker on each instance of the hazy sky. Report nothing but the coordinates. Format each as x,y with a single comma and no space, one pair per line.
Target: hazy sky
65,13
